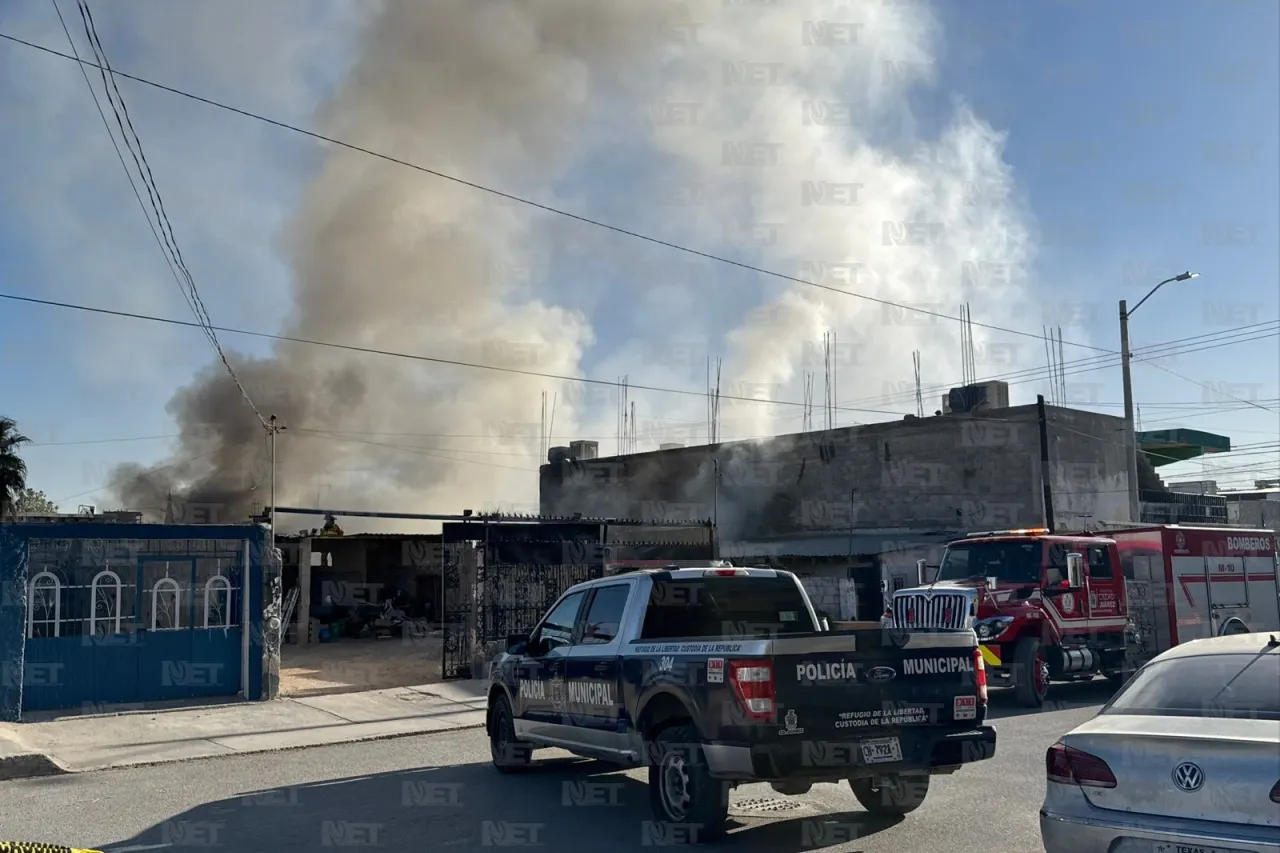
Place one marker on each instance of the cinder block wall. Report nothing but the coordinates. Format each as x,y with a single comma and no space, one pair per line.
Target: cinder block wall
953,471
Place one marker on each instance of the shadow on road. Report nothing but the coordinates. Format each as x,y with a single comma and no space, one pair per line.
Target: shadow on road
565,805
1066,696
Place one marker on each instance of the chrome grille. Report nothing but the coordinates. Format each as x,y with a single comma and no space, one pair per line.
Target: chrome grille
918,609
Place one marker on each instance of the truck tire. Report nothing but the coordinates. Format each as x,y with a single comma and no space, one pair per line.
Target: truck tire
691,807
1030,673
891,796
509,755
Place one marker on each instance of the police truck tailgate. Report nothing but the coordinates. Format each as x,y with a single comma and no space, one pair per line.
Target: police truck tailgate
863,686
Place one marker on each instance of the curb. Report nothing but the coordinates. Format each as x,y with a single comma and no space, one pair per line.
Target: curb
28,766
52,768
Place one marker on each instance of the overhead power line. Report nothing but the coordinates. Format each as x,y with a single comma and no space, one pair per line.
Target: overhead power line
531,203
538,205
1229,337
125,166
164,234
105,68
421,358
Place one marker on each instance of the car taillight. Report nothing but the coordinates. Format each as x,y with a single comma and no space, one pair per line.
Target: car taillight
752,682
724,573
1275,793
980,675
1069,766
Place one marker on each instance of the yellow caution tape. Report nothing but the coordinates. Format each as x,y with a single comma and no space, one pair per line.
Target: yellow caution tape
37,847
989,657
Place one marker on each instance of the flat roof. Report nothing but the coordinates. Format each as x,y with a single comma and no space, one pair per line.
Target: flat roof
1167,446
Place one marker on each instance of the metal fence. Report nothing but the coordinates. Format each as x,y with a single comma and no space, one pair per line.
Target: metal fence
128,613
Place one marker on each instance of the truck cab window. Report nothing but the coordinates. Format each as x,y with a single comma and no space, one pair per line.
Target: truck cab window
1056,564
1100,563
725,607
557,628
604,614
1009,561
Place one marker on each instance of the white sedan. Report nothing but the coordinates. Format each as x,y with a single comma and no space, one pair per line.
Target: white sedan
1184,759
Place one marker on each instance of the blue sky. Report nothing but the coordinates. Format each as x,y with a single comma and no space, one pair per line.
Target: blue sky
1140,137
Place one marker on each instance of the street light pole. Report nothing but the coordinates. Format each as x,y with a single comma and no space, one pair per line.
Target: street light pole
273,429
1131,435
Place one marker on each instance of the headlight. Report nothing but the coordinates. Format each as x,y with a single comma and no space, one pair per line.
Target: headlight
989,629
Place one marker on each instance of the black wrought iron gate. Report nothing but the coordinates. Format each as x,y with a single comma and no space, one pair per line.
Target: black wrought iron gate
500,577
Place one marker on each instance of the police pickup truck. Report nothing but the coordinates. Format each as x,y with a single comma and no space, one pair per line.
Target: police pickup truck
717,677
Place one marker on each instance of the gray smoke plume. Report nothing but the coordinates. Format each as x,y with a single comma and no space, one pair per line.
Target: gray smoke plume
778,133
498,93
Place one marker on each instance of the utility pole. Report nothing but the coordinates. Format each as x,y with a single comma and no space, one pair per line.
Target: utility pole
1131,434
273,429
1044,462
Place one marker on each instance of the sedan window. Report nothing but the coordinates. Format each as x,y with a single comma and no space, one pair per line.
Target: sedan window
1238,686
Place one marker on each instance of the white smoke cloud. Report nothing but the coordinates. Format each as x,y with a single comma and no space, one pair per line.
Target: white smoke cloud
784,128
795,128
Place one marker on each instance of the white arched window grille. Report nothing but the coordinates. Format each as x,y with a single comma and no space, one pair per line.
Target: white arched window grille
213,587
101,598
170,587
40,590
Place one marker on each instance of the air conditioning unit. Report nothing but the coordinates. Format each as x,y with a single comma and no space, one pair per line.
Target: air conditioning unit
584,449
973,398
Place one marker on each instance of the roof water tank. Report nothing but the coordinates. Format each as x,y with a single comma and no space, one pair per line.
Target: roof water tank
556,455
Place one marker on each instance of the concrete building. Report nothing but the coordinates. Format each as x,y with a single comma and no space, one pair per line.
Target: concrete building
852,509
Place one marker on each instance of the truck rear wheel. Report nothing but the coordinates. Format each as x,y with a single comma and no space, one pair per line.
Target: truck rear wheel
509,755
891,796
1030,673
691,807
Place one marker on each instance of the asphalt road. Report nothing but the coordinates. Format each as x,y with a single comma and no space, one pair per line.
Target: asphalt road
438,791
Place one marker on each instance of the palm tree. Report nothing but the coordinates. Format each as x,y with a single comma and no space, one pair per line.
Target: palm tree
13,471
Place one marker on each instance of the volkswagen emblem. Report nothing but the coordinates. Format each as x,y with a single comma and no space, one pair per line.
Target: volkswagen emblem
881,673
1188,777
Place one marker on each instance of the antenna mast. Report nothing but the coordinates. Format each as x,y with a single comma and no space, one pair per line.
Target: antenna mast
806,418
715,406
835,382
826,380
1053,371
915,363
1062,369
711,418
551,423
968,367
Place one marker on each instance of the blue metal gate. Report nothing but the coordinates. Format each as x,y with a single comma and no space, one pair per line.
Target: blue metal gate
118,614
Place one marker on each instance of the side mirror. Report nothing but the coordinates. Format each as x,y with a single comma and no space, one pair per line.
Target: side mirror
922,572
516,643
1075,571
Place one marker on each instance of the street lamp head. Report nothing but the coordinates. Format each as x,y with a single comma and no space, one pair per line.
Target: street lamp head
1187,275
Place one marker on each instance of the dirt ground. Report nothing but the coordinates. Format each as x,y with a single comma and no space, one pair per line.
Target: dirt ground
349,666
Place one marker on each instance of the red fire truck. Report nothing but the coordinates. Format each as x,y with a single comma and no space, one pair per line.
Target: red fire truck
1069,606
